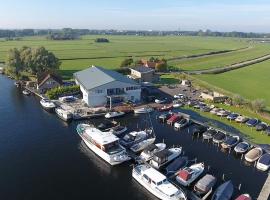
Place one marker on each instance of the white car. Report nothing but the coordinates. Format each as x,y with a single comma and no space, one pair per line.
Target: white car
178,96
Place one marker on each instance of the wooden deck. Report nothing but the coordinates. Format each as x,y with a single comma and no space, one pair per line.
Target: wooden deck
264,194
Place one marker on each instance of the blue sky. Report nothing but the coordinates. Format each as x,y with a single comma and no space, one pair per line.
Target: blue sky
221,15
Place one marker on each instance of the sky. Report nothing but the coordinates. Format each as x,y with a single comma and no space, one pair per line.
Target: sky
216,15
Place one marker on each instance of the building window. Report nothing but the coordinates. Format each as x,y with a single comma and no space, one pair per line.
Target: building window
98,91
132,88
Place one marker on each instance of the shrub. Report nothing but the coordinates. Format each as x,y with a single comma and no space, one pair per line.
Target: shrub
258,105
62,91
98,40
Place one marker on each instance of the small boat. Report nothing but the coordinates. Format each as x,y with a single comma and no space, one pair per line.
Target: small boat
219,137
164,157
63,114
177,105
230,142
17,84
114,114
165,108
244,197
199,129
254,154
118,130
161,101
47,104
106,125
223,192
205,184
143,110
241,119
188,175
149,151
209,134
135,137
175,117
104,144
181,123
179,96
26,92
157,184
263,163
252,122
142,145
178,164
242,147
165,116
68,99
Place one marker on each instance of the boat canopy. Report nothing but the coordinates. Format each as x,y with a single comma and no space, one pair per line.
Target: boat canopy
154,175
265,159
100,137
206,182
185,174
150,148
162,156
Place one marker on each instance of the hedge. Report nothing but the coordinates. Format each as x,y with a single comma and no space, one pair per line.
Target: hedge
62,91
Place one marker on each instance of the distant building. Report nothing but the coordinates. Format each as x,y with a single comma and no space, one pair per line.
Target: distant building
48,81
143,74
214,97
101,86
186,82
150,64
1,68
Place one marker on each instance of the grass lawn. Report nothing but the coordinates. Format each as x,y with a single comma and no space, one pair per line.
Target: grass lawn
249,133
251,82
79,54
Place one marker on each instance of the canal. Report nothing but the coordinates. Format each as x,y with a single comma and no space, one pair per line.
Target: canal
42,157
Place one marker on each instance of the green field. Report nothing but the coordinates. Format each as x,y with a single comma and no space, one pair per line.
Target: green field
251,82
79,54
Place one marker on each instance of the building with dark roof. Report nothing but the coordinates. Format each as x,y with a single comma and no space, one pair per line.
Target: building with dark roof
143,74
48,81
101,86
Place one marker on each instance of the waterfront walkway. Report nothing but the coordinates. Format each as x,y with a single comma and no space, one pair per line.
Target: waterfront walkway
264,194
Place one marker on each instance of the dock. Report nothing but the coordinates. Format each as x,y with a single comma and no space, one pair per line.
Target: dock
265,192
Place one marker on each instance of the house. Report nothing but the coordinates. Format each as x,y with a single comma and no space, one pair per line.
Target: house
100,87
186,83
150,64
214,97
143,74
48,81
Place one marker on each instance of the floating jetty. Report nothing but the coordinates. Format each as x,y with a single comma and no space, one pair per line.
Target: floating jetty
265,192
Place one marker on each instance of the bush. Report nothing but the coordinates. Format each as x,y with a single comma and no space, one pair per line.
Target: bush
62,91
161,67
238,100
258,105
102,40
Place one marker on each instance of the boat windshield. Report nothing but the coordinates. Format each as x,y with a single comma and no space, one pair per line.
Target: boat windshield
129,138
113,148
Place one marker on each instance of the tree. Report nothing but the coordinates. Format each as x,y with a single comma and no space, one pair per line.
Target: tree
238,100
13,61
127,62
258,105
161,67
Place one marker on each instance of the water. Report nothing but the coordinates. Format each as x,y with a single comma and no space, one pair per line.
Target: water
42,157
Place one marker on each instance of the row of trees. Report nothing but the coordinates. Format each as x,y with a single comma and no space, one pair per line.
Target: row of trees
33,60
257,105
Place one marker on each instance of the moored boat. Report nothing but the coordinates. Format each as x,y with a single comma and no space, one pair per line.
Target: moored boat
199,129
244,197
143,110
263,163
223,192
253,154
188,175
219,137
26,92
135,137
242,147
165,116
118,130
107,125
209,134
165,108
174,118
230,142
177,164
205,184
114,114
149,151
181,123
104,144
142,145
63,114
47,104
157,184
164,157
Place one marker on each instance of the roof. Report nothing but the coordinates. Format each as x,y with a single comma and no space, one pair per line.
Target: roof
100,137
154,175
143,69
163,154
95,76
42,78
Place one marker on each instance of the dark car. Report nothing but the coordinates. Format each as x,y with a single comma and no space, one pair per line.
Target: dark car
232,116
252,122
261,126
267,130
205,109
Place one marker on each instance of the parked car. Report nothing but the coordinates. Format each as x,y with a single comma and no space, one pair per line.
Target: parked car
252,122
241,119
267,130
261,126
215,111
205,109
179,96
232,116
223,113
161,101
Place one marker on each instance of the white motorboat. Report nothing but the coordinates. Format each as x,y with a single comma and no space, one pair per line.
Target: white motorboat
241,119
263,163
104,144
26,92
142,145
181,123
143,110
63,114
114,114
165,156
157,184
135,137
118,130
47,104
188,175
242,147
177,105
149,151
254,154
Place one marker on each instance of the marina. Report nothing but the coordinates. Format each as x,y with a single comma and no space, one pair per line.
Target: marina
72,160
